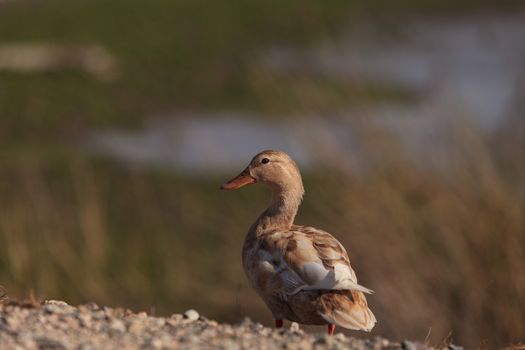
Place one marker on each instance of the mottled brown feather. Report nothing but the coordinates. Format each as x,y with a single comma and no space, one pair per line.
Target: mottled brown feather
282,259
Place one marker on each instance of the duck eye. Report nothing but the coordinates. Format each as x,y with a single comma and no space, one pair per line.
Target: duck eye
265,160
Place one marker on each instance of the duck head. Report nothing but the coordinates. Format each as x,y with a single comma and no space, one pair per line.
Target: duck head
275,169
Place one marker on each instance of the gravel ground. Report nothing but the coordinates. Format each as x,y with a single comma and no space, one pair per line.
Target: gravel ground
57,325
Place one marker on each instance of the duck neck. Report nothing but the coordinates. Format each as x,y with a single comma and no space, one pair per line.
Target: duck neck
281,212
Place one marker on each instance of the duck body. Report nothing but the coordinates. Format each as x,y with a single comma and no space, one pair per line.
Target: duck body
294,272
303,274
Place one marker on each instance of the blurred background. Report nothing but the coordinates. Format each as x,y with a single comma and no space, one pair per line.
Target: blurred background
120,119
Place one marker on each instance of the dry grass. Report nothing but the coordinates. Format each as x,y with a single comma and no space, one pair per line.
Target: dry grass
3,294
28,302
442,252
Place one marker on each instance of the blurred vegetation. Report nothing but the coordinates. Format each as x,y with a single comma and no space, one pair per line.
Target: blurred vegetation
442,252
174,54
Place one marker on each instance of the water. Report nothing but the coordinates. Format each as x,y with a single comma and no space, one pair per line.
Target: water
467,71
198,143
473,66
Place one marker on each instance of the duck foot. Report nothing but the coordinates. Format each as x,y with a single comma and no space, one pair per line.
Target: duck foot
278,323
331,329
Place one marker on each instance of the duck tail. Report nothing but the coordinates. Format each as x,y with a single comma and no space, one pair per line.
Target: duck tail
347,309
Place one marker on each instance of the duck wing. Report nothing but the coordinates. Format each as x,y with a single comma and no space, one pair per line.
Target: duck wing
315,260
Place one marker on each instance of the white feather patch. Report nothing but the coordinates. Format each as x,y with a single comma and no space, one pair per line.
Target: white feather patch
316,276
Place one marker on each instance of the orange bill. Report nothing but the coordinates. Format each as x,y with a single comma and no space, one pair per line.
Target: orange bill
240,180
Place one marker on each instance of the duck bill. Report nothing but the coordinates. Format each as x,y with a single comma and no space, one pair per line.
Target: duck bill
239,181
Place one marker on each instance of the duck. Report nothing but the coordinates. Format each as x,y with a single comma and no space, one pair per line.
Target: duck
303,274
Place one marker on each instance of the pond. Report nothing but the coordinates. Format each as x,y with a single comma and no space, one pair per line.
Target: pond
469,72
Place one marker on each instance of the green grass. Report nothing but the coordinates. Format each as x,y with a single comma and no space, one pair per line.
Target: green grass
172,54
188,54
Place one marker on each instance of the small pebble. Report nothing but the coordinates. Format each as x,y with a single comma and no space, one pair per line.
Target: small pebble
57,325
85,320
454,347
339,336
294,327
408,345
191,315
160,322
98,315
57,303
13,322
136,327
117,326
156,343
